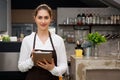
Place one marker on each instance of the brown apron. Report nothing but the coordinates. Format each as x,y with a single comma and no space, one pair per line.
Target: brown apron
38,73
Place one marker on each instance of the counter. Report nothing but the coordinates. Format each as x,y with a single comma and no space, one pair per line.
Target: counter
10,46
80,67
9,54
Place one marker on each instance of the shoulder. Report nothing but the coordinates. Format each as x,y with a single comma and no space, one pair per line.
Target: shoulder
56,36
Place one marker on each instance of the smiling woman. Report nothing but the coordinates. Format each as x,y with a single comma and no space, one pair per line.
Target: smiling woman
45,41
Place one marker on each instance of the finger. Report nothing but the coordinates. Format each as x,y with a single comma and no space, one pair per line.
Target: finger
31,55
46,62
53,61
42,65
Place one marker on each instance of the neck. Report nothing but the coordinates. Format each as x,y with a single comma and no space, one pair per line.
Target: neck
43,33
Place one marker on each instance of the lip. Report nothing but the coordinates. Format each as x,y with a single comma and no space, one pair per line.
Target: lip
43,25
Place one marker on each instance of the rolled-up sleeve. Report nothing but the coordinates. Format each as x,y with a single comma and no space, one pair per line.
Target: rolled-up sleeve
62,66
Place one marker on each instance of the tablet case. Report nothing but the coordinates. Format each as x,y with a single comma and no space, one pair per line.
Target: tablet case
41,56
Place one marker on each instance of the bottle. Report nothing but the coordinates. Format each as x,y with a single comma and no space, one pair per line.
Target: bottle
97,19
94,19
90,18
83,18
87,19
79,19
78,49
112,19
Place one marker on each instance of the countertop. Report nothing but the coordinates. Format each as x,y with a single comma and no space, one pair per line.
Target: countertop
10,46
80,66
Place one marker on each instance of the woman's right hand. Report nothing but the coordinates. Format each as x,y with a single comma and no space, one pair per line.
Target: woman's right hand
46,65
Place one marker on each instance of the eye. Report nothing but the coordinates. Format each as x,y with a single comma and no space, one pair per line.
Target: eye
46,17
40,17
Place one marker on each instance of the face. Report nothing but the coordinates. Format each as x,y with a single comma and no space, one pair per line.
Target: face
42,19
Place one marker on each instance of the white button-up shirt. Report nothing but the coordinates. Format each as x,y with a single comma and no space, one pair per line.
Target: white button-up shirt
25,62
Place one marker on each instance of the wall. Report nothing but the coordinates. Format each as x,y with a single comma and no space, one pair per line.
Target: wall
3,15
63,13
8,17
25,15
22,16
7,23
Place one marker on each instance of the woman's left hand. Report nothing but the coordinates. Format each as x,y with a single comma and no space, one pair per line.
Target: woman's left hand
46,65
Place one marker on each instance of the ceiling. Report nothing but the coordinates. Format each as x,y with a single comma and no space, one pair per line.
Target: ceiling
54,4
113,3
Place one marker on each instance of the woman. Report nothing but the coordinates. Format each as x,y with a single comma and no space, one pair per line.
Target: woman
43,40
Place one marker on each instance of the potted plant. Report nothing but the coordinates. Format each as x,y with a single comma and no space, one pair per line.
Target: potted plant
95,39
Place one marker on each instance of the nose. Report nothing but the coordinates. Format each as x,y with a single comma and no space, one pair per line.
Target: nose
43,21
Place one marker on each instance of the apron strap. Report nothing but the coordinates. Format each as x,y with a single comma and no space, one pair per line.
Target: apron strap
54,54
51,41
34,41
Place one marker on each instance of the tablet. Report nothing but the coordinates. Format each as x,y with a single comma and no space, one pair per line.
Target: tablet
41,56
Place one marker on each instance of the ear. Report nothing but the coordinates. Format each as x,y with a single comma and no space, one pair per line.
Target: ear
34,17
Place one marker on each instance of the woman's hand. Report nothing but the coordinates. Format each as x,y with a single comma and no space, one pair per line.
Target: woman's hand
32,54
46,65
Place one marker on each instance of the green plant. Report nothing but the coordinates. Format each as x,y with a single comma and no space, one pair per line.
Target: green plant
96,38
6,38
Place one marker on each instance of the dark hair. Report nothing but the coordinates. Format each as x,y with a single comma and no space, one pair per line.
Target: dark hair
45,7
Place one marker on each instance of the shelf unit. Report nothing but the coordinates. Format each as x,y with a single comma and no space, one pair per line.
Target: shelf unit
88,26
